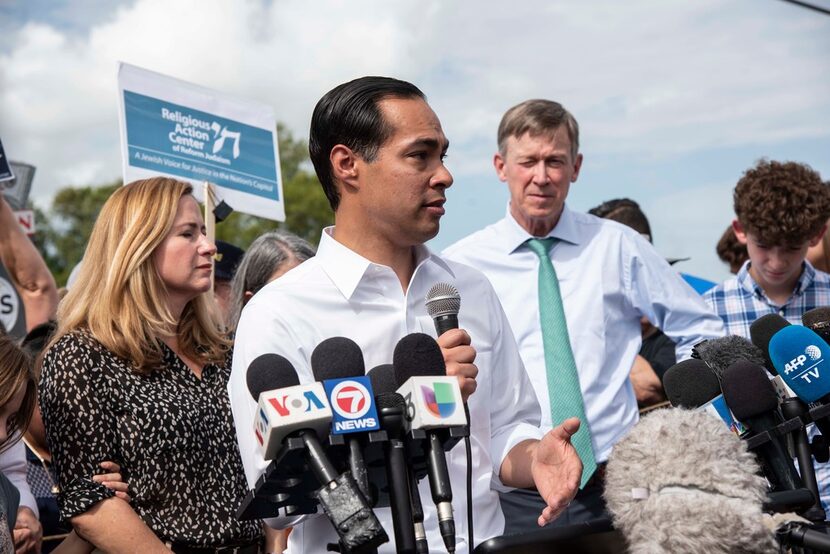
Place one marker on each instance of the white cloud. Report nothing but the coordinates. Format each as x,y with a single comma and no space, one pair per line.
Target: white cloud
649,80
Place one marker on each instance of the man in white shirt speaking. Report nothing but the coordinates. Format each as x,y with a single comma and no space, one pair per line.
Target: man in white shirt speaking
378,150
574,288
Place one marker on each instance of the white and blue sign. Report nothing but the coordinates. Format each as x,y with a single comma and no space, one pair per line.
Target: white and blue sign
178,129
352,405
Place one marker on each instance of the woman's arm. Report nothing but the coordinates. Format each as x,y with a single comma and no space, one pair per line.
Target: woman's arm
113,526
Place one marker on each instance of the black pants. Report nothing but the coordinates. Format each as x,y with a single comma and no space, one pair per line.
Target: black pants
523,507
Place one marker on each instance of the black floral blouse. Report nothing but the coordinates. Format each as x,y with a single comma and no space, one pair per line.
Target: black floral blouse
171,432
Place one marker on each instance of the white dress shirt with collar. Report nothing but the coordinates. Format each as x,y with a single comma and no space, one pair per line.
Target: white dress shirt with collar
609,276
339,293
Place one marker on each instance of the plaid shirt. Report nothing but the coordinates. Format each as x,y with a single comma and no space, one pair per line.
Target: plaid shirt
739,301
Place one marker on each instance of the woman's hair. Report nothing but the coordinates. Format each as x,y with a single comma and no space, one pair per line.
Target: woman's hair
16,371
268,253
119,296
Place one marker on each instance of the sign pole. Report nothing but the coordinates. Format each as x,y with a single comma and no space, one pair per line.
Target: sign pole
210,222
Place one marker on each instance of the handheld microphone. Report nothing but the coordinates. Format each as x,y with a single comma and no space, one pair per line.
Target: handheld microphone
338,363
286,408
753,400
443,304
433,401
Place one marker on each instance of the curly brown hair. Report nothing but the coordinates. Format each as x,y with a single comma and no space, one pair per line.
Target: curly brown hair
782,203
731,251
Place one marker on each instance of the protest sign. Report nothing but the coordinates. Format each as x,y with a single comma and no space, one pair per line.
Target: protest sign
171,127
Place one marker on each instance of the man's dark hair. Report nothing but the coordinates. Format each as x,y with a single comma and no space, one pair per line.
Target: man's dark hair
349,115
782,203
625,211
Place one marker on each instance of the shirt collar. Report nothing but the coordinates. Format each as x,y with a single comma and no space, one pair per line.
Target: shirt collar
515,235
346,268
746,281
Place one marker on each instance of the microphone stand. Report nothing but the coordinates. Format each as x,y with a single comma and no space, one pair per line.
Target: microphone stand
795,408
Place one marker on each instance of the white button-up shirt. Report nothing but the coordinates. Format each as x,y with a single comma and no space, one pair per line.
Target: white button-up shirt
339,293
609,276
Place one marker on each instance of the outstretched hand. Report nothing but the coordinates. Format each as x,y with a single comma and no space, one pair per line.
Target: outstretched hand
557,469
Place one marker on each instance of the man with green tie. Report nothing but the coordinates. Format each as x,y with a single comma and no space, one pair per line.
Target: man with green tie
574,288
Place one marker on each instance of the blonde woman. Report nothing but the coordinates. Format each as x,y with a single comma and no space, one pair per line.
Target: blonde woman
137,373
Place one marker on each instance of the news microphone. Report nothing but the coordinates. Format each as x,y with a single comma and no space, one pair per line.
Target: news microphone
800,356
761,332
722,352
443,304
680,482
751,397
818,320
286,408
433,402
690,384
338,363
402,483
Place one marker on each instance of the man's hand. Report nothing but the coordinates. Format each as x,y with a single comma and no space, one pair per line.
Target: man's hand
459,357
28,533
556,469
647,386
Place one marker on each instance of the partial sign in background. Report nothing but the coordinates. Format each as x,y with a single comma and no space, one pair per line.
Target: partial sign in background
171,127
17,189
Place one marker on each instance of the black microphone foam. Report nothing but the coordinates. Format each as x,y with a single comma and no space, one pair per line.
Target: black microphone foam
818,319
383,379
417,354
337,358
722,352
761,332
747,390
390,400
690,384
270,372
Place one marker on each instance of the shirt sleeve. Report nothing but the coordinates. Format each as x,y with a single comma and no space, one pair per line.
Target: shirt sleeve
658,292
80,422
259,332
515,415
14,466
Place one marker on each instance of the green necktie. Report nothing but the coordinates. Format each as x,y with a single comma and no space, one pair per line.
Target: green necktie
563,380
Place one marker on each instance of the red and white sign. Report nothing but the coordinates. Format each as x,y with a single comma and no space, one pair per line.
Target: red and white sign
351,399
26,220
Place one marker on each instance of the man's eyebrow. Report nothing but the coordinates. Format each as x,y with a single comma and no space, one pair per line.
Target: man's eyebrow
431,143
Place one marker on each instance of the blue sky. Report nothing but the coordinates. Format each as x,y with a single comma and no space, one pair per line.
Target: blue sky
675,99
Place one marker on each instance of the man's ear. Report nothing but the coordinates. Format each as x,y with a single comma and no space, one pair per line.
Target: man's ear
577,167
816,239
498,163
344,165
739,231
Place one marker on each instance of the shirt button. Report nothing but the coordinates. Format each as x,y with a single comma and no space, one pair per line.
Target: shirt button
781,313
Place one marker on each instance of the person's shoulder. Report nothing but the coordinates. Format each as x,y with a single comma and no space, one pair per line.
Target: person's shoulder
721,290
473,243
74,342
469,280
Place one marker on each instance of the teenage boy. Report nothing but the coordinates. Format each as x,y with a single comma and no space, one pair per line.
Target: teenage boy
781,210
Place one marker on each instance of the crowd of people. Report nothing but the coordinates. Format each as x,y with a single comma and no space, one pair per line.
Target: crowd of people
126,415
